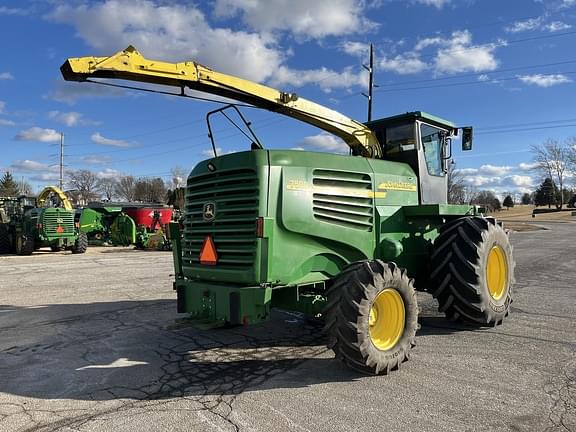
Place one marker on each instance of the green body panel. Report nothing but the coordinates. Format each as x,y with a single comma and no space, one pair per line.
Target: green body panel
52,226
101,226
122,230
92,222
319,212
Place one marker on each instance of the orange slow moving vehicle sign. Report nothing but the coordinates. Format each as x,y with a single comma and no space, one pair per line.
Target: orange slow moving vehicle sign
208,254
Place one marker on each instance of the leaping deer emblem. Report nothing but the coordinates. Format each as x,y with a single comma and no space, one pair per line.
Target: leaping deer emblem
209,211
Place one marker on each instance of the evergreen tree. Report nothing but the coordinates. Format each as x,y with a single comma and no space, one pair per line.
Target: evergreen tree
8,187
496,204
526,198
508,202
546,193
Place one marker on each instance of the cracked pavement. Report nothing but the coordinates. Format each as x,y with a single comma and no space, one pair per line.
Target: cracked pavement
91,343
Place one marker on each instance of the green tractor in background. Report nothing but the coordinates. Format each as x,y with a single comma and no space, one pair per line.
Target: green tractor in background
123,224
106,225
28,223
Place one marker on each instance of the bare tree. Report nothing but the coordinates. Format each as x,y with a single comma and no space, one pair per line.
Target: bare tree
126,188
150,190
84,182
552,160
571,147
107,186
456,185
25,188
178,177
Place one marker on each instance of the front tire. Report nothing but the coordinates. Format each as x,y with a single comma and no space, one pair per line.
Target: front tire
371,316
4,239
473,271
81,243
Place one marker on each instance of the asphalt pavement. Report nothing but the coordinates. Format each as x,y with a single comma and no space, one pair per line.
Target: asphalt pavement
93,343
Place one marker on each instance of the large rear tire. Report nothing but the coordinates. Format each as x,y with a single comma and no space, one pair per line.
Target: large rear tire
24,245
372,316
81,243
473,271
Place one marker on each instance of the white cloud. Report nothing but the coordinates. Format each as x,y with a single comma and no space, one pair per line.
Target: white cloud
71,118
28,165
501,179
46,177
304,18
541,80
172,33
527,166
407,63
557,26
458,54
356,49
480,180
181,32
324,78
4,122
2,107
568,3
96,159
454,54
518,181
108,173
97,138
38,134
538,23
525,25
436,3
494,169
467,171
6,76
324,142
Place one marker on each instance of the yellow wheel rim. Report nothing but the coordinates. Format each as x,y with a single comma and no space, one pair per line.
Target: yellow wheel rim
497,272
387,316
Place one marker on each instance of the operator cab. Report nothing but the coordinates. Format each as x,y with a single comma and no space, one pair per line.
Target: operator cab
424,142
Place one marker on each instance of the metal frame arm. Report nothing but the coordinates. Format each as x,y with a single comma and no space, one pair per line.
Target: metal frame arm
132,66
53,189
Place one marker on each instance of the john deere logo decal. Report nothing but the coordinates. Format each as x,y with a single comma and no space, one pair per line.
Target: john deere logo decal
209,211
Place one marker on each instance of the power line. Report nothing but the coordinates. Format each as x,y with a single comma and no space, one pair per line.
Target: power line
467,75
273,120
465,83
526,129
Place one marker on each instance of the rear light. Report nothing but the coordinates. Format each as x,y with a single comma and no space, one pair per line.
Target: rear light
39,226
260,227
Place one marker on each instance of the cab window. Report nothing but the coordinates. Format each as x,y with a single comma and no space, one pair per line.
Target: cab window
432,144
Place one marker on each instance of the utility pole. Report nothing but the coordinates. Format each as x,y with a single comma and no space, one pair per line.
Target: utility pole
370,70
61,185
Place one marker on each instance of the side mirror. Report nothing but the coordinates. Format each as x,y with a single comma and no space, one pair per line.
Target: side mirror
467,138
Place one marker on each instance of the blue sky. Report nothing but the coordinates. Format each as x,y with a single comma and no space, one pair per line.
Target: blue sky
505,67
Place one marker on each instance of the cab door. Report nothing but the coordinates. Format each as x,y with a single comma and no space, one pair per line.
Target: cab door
432,163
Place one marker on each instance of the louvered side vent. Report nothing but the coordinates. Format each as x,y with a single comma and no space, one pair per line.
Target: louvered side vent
233,230
344,198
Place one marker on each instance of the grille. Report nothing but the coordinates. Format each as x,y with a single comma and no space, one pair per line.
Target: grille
343,198
52,218
235,196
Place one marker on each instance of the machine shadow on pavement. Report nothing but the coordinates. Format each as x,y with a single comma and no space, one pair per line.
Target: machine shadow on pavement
130,349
